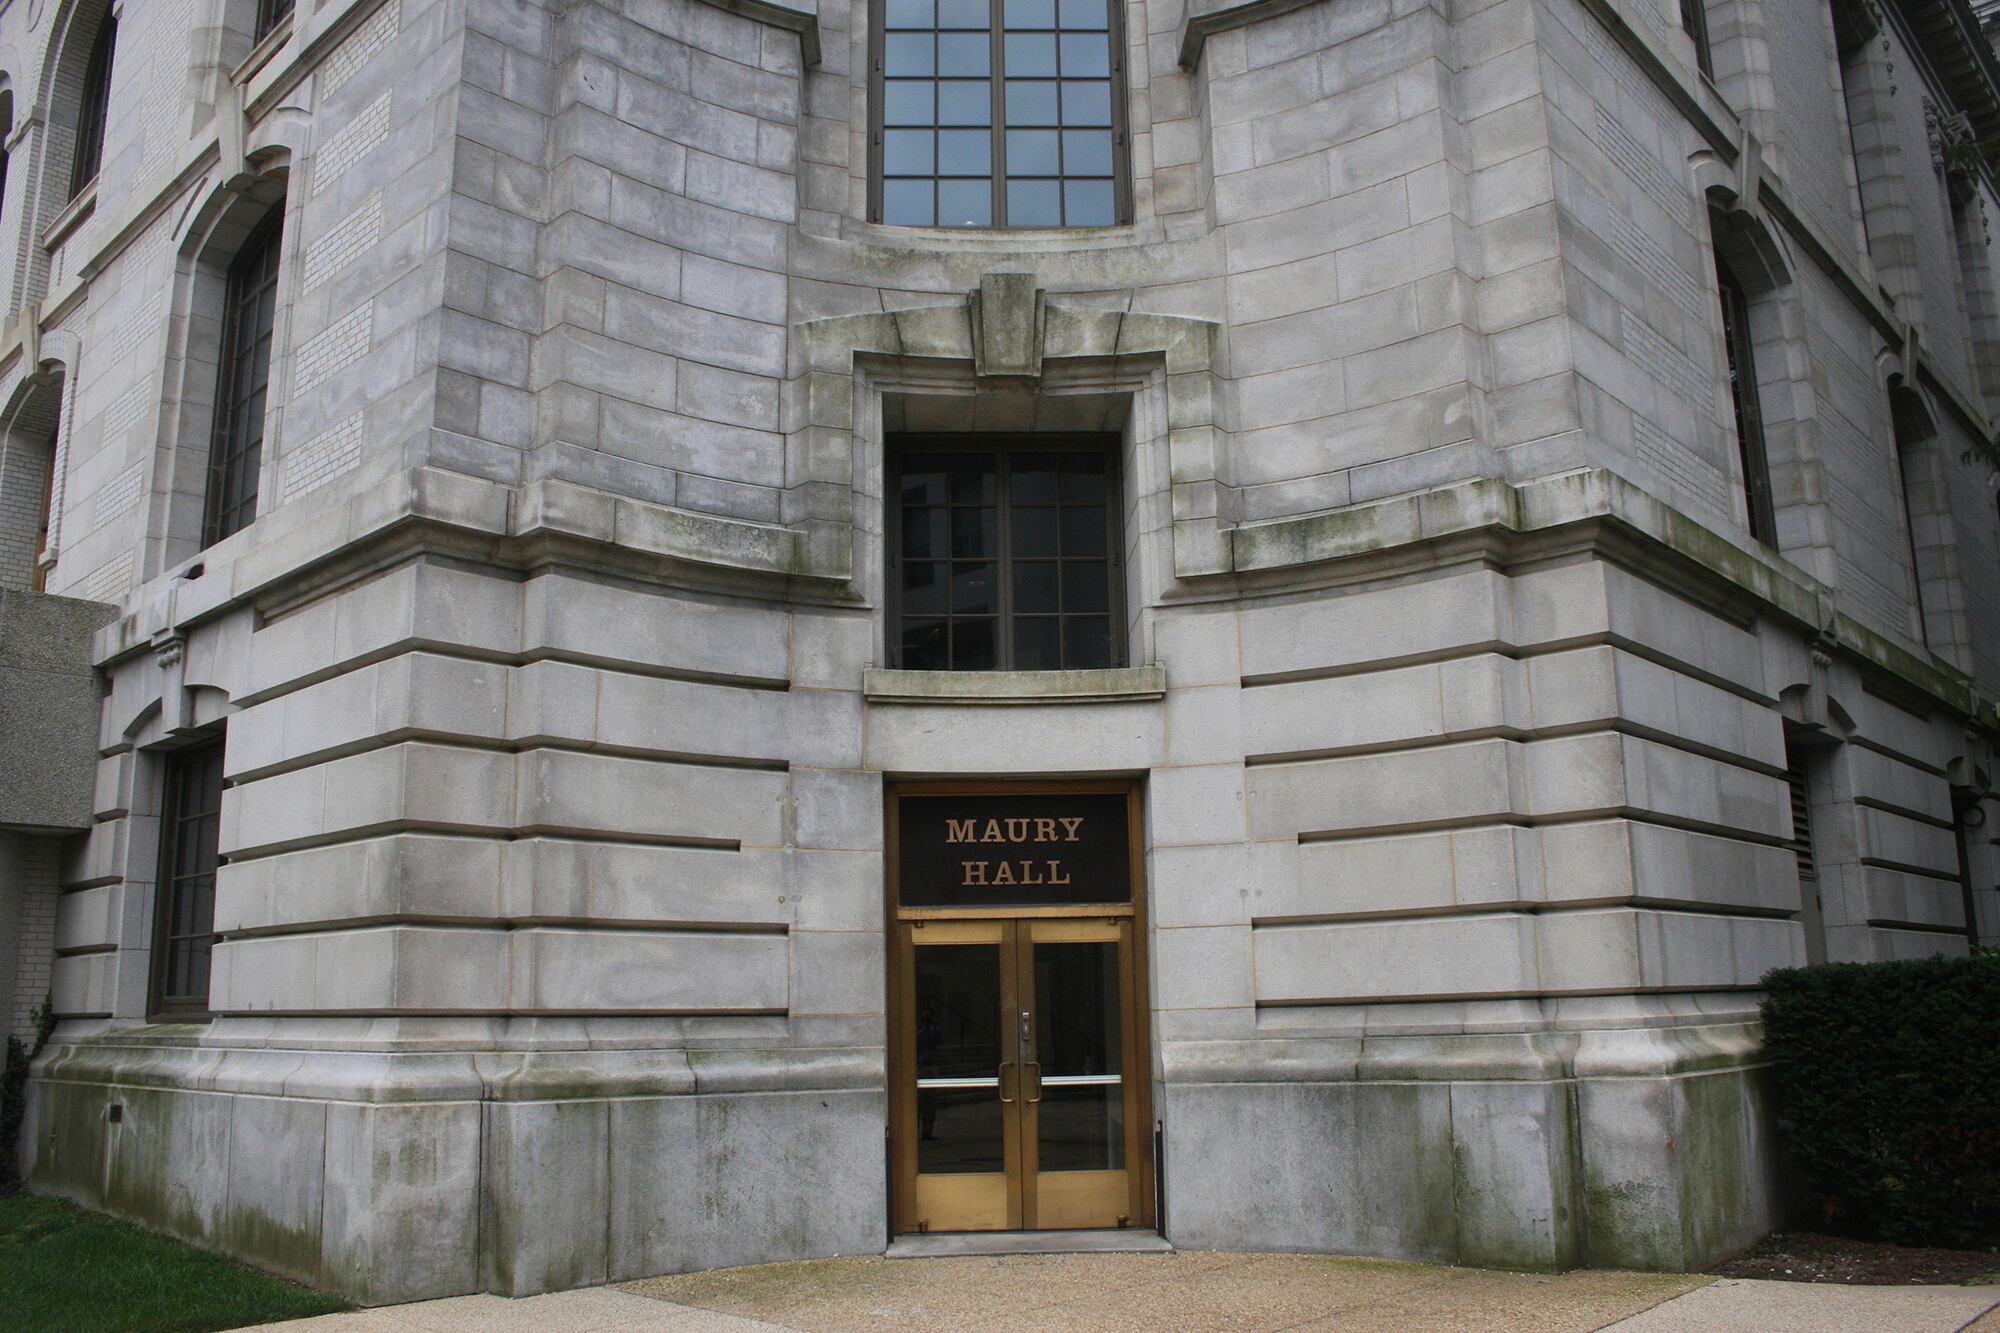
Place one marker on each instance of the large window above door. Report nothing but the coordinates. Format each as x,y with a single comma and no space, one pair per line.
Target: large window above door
1004,554
997,113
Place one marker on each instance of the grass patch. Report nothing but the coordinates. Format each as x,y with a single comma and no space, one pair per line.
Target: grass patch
64,1267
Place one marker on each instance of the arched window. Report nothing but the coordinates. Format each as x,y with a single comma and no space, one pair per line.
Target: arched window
243,382
6,133
28,425
93,107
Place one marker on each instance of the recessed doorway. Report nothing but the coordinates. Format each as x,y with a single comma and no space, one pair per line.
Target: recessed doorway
1019,1095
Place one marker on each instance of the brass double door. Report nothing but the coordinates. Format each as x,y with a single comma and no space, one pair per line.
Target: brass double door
1020,1101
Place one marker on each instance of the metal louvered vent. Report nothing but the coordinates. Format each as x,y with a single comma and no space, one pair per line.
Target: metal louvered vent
1802,845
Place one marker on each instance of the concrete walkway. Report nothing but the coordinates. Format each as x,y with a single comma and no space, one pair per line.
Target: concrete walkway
1188,1292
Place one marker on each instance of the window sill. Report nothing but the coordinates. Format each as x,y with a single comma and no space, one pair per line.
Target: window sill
1111,685
72,216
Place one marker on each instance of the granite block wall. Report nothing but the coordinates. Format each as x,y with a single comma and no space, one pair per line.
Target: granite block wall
550,670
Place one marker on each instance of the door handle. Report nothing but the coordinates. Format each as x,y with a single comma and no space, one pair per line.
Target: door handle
1000,1076
1035,1065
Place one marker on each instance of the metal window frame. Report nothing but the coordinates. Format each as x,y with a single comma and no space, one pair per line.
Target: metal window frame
1121,139
264,245
93,106
1694,22
1742,361
177,771
899,447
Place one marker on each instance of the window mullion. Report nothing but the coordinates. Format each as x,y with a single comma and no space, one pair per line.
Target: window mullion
997,132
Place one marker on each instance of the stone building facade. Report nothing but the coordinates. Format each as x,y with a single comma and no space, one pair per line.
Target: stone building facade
1516,482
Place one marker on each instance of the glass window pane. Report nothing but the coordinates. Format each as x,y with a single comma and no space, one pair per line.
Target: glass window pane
1032,153
1088,204
958,1035
1085,55
1086,642
1086,103
974,645
1034,478
973,534
963,53
911,13
905,54
924,588
1033,204
1086,152
1035,586
966,102
1036,646
1086,585
1034,531
974,590
907,203
925,645
924,534
1031,103
1031,13
1084,14
1083,478
1081,1128
972,479
908,102
1083,531
965,153
964,14
1031,55
923,479
967,203
908,153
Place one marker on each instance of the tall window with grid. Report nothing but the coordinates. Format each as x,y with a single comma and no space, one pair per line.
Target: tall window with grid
998,113
236,456
190,836
1004,554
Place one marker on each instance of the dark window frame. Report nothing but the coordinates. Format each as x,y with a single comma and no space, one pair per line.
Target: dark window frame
193,771
1904,444
93,107
1121,165
1007,445
270,13
243,382
1739,355
1694,22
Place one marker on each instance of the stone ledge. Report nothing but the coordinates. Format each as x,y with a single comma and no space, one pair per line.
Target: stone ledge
1506,1057
176,1056
1205,18
1622,522
1112,685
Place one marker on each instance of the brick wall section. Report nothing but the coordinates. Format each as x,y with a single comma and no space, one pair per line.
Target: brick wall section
28,869
24,481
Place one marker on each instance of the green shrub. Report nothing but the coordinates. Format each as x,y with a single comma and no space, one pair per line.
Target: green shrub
1888,1078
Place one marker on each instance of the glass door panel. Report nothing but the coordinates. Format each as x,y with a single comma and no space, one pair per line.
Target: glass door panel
1076,1070
1016,1110
967,1078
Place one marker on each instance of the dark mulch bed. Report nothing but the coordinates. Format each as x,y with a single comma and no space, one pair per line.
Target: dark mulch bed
1807,1256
